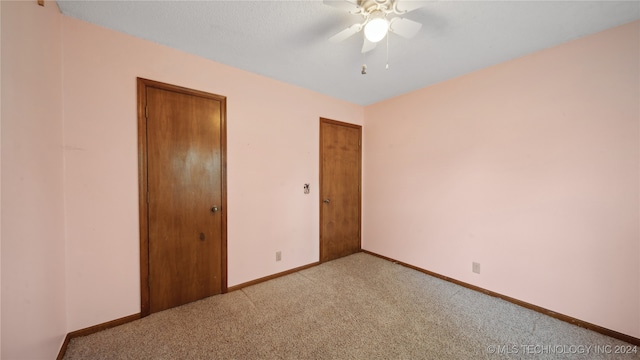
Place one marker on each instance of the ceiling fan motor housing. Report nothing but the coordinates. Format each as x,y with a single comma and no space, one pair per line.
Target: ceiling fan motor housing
370,6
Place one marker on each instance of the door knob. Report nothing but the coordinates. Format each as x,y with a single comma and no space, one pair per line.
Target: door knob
326,201
214,209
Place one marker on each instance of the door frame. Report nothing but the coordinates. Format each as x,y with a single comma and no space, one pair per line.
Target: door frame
321,187
142,85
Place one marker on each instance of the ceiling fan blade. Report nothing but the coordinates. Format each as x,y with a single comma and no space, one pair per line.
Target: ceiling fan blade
346,5
403,7
342,35
404,27
368,45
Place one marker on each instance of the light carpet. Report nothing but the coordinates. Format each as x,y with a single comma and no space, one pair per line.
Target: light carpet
357,307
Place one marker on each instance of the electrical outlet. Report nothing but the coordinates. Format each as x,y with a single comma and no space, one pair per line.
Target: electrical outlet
278,255
475,267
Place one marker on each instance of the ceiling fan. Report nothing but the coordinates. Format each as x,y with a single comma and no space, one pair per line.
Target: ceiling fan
378,19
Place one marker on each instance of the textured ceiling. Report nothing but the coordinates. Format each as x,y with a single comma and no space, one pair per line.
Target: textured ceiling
287,40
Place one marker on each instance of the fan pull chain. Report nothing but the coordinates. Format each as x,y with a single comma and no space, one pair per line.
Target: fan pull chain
387,51
364,65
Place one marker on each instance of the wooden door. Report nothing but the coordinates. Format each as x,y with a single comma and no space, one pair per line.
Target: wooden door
340,176
185,206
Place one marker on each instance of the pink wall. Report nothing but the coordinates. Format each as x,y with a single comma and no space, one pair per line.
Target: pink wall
272,151
530,168
33,248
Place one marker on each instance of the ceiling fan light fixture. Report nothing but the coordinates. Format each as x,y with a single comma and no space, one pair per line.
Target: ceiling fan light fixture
377,27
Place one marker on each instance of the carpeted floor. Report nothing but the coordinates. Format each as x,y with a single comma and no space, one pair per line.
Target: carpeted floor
358,307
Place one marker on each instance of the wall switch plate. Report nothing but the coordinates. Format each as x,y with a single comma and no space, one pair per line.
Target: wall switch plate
278,255
475,267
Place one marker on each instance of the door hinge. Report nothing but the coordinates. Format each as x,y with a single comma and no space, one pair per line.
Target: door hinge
359,143
146,112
